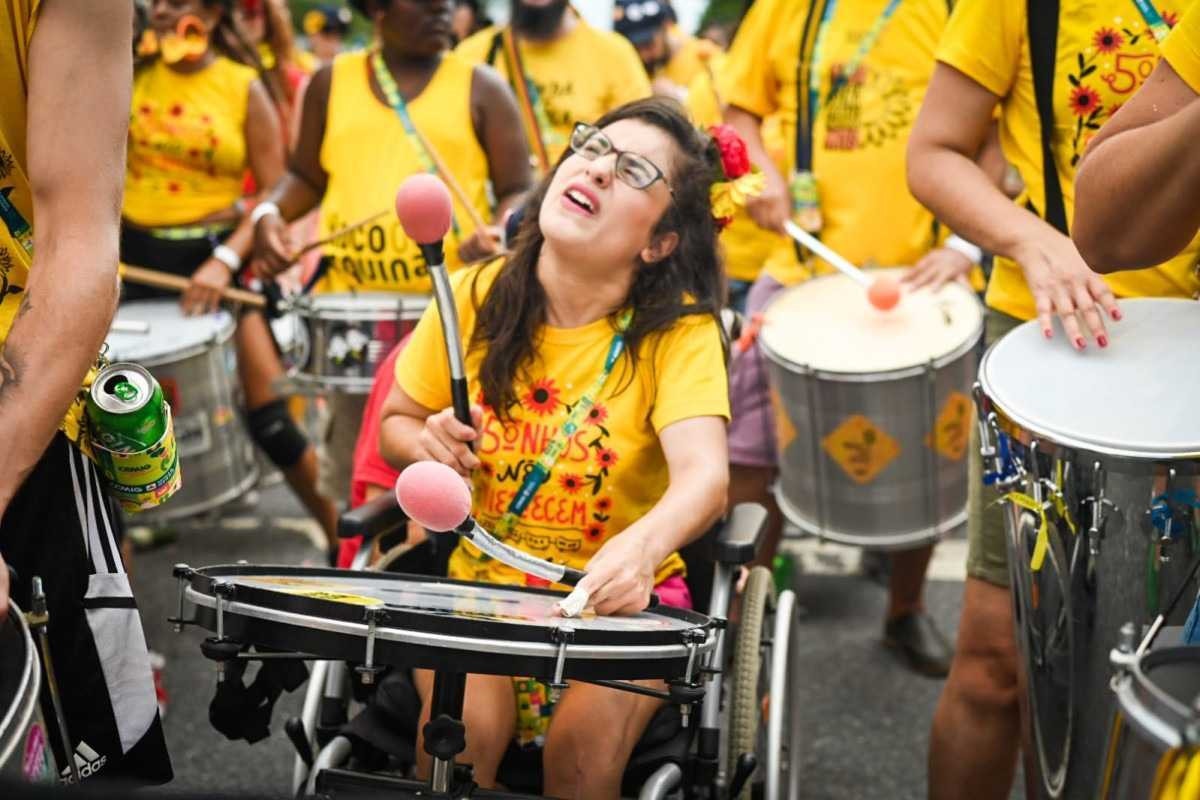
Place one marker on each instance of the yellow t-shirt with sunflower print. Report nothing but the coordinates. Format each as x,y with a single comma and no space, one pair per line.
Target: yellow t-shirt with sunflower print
613,470
187,144
1105,52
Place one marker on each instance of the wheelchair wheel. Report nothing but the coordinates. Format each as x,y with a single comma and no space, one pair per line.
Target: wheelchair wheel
761,714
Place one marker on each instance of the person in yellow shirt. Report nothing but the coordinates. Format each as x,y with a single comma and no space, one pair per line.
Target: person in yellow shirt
355,149
1147,151
561,69
65,73
671,57
199,121
1052,100
865,65
598,338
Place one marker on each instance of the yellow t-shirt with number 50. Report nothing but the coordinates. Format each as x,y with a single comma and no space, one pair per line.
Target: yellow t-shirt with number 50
1105,51
613,470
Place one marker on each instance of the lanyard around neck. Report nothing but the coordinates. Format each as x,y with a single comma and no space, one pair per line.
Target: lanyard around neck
539,473
1154,20
18,227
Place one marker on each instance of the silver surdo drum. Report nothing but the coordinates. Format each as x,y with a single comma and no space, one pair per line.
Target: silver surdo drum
193,359
1155,735
25,751
872,410
350,334
437,623
1097,455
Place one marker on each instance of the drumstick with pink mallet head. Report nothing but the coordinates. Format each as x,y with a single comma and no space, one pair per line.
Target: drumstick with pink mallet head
425,211
437,498
882,292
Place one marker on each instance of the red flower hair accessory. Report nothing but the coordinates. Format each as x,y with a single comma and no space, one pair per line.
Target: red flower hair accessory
739,180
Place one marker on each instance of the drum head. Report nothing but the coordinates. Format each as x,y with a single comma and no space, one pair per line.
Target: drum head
828,325
170,335
433,622
1135,398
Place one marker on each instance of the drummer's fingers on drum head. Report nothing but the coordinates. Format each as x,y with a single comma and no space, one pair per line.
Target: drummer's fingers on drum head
1090,312
1045,312
1065,306
1103,294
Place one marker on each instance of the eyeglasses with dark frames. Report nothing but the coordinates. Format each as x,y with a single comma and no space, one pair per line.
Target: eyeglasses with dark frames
632,169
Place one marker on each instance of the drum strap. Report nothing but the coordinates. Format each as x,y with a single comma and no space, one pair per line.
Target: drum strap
540,472
244,712
1042,18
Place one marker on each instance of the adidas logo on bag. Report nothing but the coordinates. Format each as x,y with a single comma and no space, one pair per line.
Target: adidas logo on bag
87,760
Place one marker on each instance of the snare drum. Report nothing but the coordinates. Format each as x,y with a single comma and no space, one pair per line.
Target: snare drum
351,334
872,410
1098,456
432,623
193,359
25,752
1157,722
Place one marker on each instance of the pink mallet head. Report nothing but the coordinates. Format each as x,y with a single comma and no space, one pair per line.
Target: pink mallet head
433,495
884,293
424,208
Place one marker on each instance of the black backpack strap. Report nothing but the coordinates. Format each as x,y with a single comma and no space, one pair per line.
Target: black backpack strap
804,121
494,49
1043,43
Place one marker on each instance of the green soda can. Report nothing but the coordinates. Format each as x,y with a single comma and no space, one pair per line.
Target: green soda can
133,437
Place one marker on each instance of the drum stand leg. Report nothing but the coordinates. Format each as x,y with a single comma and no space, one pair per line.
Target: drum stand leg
445,735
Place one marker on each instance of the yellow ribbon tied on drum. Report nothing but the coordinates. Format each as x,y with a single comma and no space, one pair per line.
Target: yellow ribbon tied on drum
1043,535
1177,776
728,196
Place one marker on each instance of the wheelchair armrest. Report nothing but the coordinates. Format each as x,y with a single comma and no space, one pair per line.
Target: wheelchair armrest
378,517
741,534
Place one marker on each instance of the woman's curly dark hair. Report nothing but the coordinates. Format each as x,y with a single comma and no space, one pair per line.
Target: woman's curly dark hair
687,282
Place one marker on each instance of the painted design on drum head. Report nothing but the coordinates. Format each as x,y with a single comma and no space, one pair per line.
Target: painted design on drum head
860,448
952,428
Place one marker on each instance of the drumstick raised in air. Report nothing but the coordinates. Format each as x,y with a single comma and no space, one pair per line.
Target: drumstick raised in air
178,283
324,240
883,292
448,177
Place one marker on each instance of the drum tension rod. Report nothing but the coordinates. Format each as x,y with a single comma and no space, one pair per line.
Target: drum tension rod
368,670
219,648
561,636
687,691
183,575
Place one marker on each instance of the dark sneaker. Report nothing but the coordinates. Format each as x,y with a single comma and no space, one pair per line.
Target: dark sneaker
922,645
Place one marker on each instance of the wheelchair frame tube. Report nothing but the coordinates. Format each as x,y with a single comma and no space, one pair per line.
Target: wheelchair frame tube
718,609
660,784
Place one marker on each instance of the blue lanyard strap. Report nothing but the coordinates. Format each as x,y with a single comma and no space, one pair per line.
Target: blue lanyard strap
1154,21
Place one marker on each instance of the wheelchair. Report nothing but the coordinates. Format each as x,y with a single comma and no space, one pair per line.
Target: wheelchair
356,733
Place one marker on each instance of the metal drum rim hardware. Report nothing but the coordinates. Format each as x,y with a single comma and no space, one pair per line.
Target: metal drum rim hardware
18,717
228,325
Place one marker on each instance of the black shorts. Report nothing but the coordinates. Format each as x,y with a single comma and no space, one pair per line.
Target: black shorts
60,527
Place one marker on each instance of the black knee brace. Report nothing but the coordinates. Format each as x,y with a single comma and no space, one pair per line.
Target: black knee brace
273,429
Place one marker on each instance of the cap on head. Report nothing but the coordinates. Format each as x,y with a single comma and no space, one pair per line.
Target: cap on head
424,208
639,20
433,495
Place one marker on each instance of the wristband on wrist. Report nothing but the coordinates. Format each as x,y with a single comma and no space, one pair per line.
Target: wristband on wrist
958,244
227,256
264,209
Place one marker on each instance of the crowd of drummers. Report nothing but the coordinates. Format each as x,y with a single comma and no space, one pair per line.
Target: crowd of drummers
616,191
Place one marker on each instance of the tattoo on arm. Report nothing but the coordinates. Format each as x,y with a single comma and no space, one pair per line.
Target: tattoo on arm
12,371
26,305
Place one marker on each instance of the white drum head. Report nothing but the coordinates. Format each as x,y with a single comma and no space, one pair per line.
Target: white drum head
827,324
363,305
1136,397
167,331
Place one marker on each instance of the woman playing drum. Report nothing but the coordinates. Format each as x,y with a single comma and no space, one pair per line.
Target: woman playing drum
200,120
616,273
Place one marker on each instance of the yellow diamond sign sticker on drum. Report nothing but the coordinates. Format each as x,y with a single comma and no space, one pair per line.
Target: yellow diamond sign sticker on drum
952,428
860,448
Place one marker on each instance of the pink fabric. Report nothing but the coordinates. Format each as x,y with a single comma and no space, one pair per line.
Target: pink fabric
674,592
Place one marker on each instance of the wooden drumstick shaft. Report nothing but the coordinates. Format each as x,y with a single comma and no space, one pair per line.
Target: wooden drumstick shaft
178,283
827,254
446,175
324,240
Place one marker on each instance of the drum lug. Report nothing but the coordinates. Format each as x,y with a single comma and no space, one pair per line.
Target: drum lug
183,575
368,670
999,467
1100,505
1124,656
693,639
223,592
561,636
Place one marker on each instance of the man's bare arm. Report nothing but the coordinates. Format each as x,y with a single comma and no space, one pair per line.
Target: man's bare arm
80,71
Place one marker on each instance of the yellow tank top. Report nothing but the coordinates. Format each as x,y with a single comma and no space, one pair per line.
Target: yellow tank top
187,143
367,154
17,20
